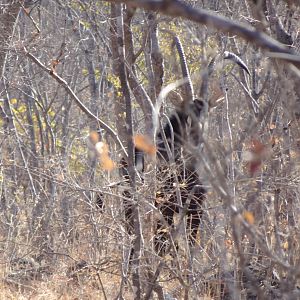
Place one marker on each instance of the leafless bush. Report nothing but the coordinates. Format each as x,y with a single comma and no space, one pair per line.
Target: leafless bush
79,79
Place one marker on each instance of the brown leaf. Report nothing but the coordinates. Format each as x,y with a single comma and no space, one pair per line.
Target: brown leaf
26,10
94,137
254,166
249,217
105,161
53,65
143,143
257,147
228,243
255,155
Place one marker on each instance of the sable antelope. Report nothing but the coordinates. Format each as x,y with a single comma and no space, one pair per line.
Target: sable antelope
180,129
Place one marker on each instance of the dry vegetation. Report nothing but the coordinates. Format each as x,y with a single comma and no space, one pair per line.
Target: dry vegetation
61,84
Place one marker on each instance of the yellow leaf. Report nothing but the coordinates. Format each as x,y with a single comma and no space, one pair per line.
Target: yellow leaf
248,216
286,245
51,113
182,185
13,101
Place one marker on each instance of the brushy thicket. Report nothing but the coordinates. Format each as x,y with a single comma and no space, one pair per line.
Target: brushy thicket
58,241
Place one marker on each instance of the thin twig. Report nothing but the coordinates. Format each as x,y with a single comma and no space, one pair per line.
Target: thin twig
30,17
62,82
177,8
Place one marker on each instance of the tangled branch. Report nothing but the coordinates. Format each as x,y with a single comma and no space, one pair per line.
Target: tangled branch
178,8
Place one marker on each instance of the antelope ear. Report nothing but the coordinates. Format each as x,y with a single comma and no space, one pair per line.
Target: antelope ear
233,57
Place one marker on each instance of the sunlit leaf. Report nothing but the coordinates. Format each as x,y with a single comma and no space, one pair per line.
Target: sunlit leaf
86,25
182,185
84,72
114,80
13,101
51,113
285,245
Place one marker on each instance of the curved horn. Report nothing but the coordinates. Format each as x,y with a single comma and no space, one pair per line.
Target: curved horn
233,57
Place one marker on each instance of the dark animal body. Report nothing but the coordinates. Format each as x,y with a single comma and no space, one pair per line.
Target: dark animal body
179,187
178,183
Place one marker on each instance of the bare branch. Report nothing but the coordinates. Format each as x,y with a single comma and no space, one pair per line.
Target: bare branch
177,8
78,102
